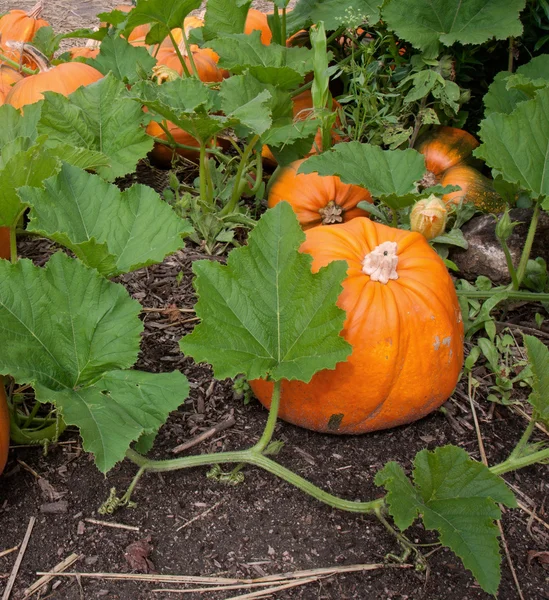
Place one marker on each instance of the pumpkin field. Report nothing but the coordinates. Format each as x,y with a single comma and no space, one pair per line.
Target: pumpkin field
274,299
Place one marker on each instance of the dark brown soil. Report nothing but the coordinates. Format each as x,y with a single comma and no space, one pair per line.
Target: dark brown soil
199,526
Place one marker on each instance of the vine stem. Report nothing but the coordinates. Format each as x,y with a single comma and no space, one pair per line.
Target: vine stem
180,56
521,444
510,265
271,420
513,464
512,295
18,66
528,245
237,189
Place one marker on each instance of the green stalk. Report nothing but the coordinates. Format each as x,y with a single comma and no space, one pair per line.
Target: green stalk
512,295
271,420
510,265
180,56
50,433
174,144
32,414
528,245
521,444
13,246
17,66
203,174
189,53
238,179
283,27
513,464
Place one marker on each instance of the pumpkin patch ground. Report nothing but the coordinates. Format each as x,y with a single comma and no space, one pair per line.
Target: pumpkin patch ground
205,524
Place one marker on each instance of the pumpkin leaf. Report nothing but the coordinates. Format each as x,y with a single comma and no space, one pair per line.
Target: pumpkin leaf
224,16
517,145
163,15
291,141
273,64
244,98
84,332
428,23
21,163
332,13
112,231
508,90
457,497
265,313
538,357
389,175
15,125
126,62
100,117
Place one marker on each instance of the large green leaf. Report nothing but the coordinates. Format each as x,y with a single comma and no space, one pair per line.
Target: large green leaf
389,175
538,357
15,125
265,313
163,15
21,163
68,331
112,231
428,23
507,90
224,16
99,117
457,497
273,64
126,62
517,145
333,13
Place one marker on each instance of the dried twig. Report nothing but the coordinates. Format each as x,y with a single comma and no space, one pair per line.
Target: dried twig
272,590
40,583
18,560
8,551
113,525
203,514
205,435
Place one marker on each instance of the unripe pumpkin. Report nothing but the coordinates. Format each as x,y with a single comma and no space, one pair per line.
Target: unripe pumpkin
403,321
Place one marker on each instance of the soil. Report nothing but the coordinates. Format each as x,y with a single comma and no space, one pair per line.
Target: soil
189,524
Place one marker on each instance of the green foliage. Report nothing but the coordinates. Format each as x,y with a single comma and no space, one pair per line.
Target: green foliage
332,13
538,356
265,313
389,175
457,497
112,231
71,334
427,24
126,62
224,16
517,145
100,117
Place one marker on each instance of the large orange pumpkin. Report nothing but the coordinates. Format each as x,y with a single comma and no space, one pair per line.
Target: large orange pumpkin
20,25
403,321
302,108
4,426
64,79
447,151
316,199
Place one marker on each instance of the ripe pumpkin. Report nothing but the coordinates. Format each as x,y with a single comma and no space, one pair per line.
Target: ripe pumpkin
9,76
4,426
64,79
205,60
20,25
302,108
403,321
256,20
447,151
316,199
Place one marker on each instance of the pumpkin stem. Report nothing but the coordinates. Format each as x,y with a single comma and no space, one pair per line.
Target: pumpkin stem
33,53
36,10
381,263
331,213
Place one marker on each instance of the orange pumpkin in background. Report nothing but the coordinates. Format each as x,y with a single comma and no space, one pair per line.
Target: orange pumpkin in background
256,20
20,25
316,199
403,321
161,154
447,151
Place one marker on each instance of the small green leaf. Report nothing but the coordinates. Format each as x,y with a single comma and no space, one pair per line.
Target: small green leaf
224,16
99,117
82,330
291,141
265,313
112,231
517,145
126,62
538,356
428,23
389,175
457,497
242,98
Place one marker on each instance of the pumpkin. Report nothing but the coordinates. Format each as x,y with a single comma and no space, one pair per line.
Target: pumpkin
4,426
90,50
20,26
302,108
447,151
316,199
256,20
9,76
64,79
205,60
403,321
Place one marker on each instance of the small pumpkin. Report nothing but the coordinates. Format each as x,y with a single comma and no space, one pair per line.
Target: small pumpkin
4,426
20,25
302,108
447,151
64,79
403,321
316,199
